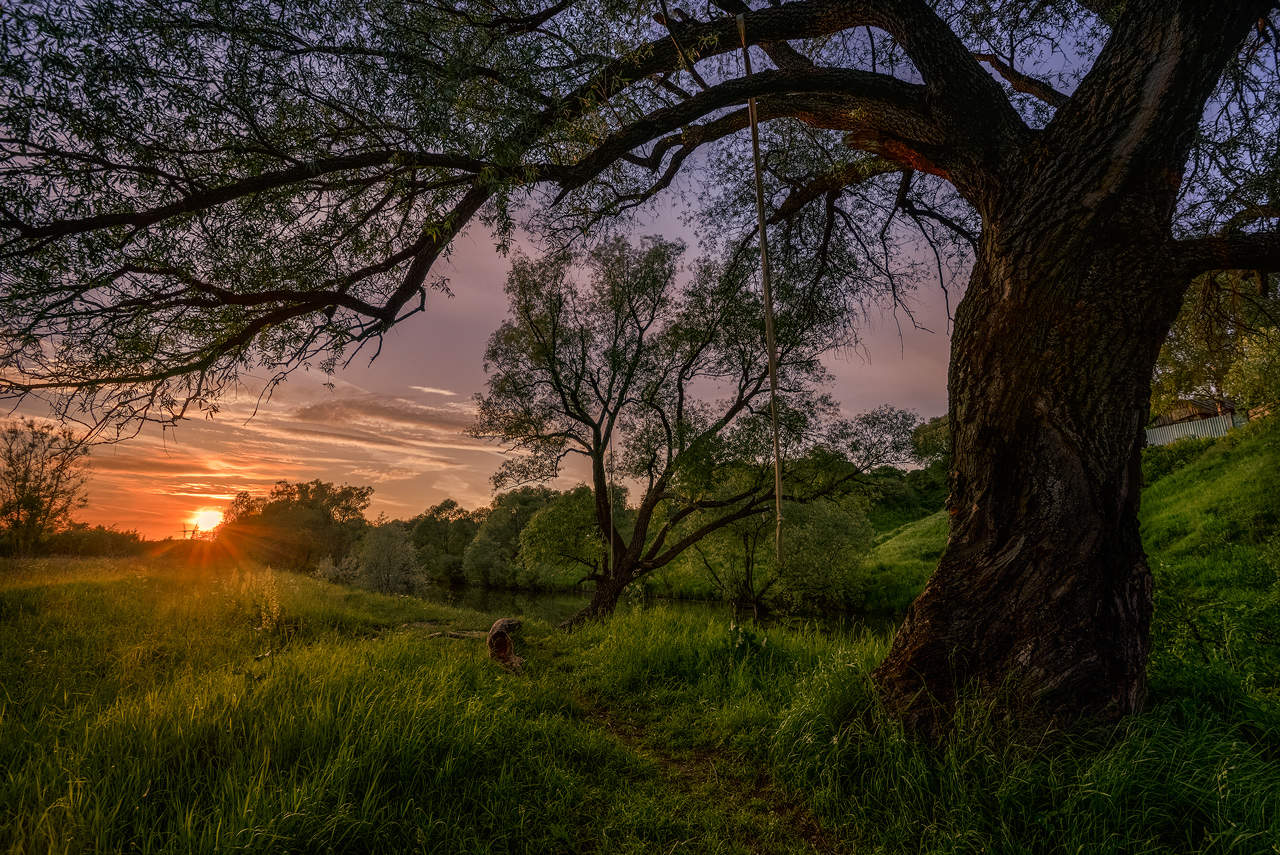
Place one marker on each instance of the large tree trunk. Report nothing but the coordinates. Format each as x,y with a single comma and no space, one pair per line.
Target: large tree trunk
609,588
1042,598
1043,595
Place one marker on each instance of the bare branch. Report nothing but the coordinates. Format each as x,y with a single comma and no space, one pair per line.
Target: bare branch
1024,83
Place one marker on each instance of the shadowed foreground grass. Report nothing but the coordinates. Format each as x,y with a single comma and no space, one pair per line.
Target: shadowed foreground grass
151,708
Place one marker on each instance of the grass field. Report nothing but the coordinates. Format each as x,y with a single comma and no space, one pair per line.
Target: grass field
158,708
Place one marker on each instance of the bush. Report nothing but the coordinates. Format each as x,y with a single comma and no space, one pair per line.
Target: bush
345,573
821,572
81,541
902,497
826,544
386,559
1161,460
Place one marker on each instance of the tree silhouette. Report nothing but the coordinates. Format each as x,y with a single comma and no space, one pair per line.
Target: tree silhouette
667,382
42,478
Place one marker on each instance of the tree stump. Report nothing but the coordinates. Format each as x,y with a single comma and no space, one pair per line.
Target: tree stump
501,648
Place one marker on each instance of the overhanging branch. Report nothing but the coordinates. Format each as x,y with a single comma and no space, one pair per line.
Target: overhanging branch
1252,251
877,105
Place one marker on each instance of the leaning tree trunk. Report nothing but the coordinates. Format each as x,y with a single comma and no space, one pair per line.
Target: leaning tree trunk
609,587
1042,598
605,597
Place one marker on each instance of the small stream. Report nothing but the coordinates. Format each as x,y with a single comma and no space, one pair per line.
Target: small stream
557,606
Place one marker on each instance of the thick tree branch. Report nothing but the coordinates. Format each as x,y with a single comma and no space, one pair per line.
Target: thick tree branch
1141,102
960,90
1234,251
783,55
879,106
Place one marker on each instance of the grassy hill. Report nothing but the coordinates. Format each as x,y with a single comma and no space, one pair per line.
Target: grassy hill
1210,521
902,560
160,707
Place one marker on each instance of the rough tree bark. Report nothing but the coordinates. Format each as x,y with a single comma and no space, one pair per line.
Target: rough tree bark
1043,592
604,599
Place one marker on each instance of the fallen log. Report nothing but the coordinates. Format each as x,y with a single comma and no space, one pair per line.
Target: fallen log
458,633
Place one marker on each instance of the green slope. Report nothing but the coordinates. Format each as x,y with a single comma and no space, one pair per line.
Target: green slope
901,562
1210,520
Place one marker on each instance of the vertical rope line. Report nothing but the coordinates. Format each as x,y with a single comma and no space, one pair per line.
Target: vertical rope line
770,340
608,497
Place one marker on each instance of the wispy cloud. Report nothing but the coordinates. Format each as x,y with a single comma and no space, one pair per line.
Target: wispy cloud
382,411
402,447
432,390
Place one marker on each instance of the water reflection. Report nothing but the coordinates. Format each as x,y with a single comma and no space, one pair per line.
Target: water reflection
555,607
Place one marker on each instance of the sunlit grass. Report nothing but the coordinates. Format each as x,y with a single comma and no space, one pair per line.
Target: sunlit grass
160,710
902,561
261,711
147,705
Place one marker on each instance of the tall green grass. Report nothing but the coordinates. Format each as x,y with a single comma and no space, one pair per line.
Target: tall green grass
160,712
151,707
1198,772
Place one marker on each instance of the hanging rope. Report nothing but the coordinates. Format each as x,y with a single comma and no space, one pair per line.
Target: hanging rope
770,341
608,495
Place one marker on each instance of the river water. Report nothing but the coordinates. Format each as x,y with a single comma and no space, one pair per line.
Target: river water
555,607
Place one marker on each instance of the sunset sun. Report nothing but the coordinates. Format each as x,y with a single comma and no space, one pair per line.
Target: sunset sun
206,519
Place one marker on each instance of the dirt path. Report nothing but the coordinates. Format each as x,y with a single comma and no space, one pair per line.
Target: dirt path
735,786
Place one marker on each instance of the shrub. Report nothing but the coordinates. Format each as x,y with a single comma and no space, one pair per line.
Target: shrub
346,572
387,562
1161,460
81,541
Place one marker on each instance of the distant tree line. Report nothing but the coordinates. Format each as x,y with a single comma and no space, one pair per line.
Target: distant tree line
296,525
539,538
530,537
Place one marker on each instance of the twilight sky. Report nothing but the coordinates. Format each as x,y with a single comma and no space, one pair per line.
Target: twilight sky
398,424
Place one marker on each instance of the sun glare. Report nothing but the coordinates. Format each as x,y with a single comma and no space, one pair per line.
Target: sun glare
206,519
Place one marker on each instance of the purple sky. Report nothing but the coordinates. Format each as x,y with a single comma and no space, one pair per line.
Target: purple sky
397,423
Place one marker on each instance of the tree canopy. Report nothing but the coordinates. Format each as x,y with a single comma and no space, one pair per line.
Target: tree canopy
492,558
196,189
441,536
612,358
564,542
297,524
1221,343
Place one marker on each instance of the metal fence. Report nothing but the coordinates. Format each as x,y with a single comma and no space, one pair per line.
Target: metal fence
1216,426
